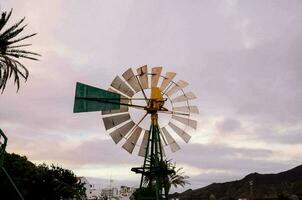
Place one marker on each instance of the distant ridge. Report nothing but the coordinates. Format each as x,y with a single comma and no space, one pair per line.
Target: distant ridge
283,185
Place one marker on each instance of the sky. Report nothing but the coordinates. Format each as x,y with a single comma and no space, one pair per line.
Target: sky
241,59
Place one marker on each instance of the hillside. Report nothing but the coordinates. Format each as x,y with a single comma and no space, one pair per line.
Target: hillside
268,186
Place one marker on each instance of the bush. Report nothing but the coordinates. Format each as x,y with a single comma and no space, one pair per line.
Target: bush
40,182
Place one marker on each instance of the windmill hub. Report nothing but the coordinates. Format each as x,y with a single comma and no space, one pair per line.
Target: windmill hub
156,102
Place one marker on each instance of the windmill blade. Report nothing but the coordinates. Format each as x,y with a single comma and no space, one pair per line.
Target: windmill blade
162,150
184,97
142,73
168,78
185,136
113,121
189,122
132,140
187,109
85,94
119,133
155,75
179,85
143,147
163,138
122,108
131,79
119,85
170,141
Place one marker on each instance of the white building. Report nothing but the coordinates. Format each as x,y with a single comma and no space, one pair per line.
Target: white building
126,191
108,193
91,192
111,193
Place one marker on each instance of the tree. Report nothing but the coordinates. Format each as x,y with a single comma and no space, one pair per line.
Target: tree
178,178
40,182
11,51
175,178
212,197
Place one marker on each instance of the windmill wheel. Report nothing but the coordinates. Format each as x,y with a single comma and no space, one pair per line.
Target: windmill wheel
120,122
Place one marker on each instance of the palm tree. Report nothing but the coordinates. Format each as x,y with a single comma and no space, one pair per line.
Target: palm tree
178,178
11,51
172,176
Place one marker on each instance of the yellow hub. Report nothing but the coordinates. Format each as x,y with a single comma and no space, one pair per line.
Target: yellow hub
155,104
156,94
157,100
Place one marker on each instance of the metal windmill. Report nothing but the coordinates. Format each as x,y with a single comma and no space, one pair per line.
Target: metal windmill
167,98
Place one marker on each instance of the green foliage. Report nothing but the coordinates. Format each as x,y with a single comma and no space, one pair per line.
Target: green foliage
3,143
212,197
282,197
11,51
178,178
142,193
294,197
40,182
171,176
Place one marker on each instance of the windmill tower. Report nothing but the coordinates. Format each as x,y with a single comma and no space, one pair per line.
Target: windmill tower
153,95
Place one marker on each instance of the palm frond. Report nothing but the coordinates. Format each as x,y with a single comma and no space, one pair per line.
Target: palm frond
175,179
21,56
18,46
10,55
12,67
22,38
22,52
4,18
11,32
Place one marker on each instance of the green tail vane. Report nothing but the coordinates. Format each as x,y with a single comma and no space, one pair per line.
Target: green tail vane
89,99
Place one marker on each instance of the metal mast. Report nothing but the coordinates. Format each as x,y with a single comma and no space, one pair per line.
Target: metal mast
153,170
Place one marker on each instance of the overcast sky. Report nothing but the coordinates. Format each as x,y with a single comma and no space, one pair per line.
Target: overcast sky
241,58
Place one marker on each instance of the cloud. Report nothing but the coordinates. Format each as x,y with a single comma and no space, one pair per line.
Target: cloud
242,60
280,134
228,125
207,156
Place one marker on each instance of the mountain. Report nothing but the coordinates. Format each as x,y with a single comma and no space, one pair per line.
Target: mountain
258,186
